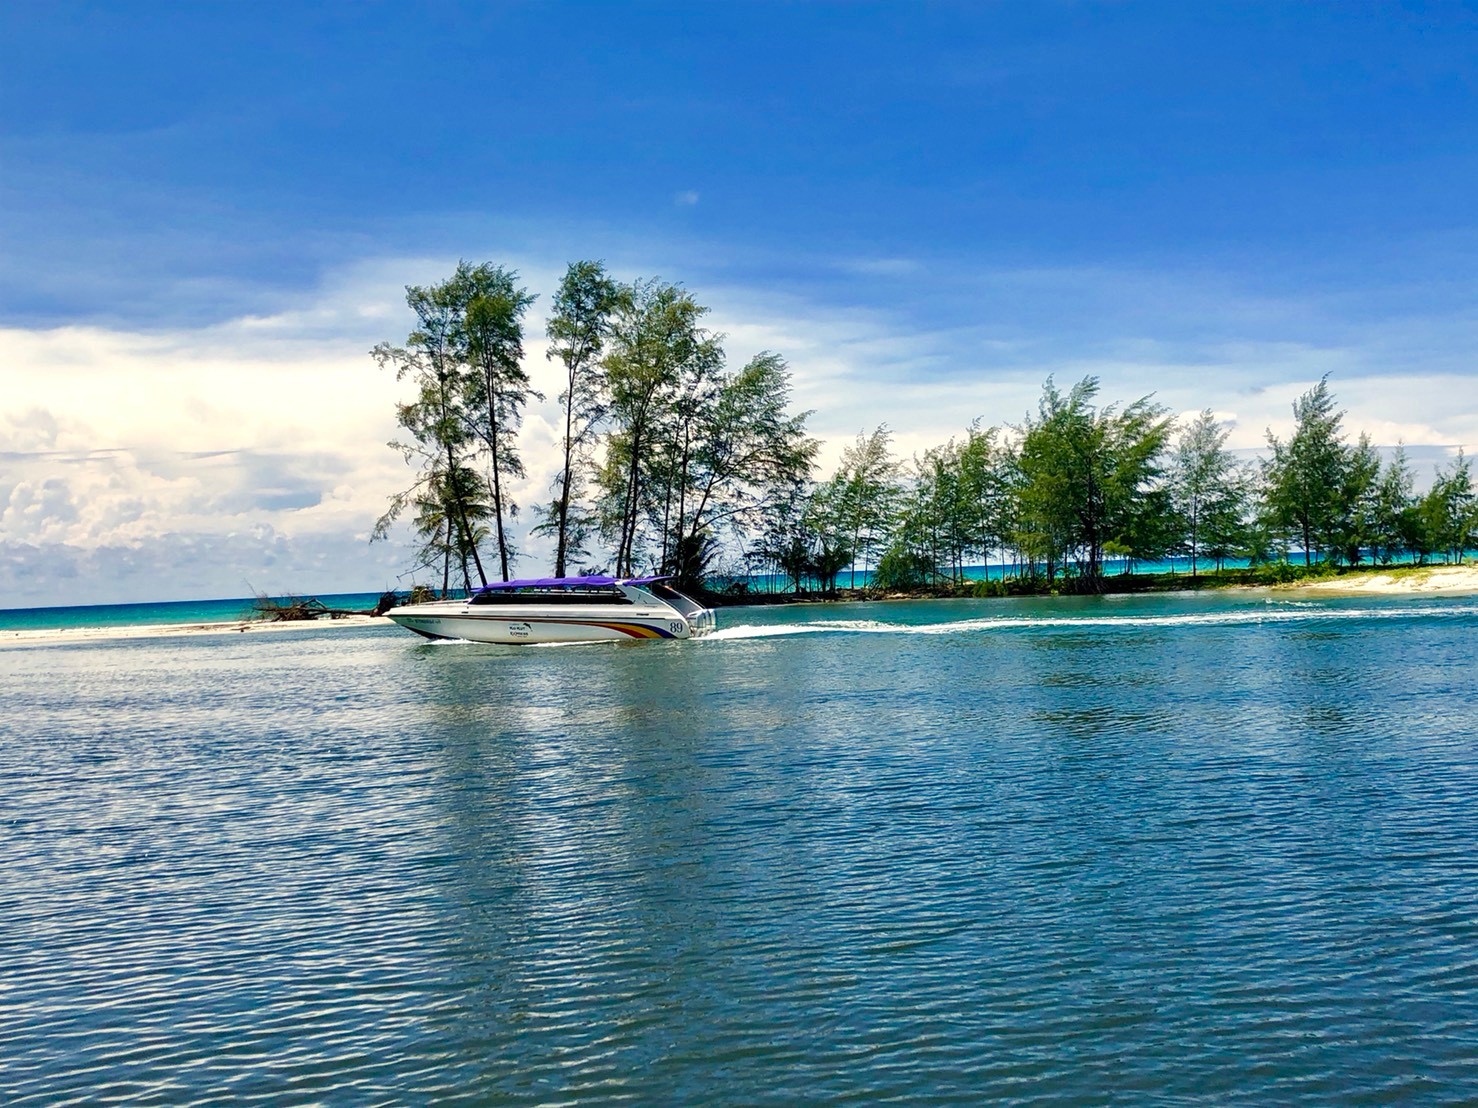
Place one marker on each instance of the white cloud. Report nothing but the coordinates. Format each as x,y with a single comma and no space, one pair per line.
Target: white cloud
688,198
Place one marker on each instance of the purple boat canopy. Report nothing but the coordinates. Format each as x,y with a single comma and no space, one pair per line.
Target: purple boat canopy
595,581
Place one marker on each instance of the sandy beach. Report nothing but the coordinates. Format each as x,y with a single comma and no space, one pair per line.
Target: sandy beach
1426,581
49,636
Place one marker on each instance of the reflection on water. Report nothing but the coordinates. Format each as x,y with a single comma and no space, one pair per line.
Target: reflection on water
1198,847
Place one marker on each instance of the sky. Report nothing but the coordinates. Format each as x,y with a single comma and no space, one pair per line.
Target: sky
209,212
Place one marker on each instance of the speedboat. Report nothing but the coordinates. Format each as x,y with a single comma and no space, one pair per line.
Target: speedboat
561,609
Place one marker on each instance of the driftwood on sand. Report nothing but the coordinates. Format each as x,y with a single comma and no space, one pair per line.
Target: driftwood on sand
292,609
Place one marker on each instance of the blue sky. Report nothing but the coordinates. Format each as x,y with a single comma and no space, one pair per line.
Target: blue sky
208,210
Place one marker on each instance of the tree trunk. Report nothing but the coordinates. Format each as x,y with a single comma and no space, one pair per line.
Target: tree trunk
464,525
1195,514
561,546
628,511
498,512
458,503
446,559
497,470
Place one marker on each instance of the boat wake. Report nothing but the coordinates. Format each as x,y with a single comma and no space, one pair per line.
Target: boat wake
1245,617
767,631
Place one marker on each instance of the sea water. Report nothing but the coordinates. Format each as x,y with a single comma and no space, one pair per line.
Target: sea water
1217,848
157,614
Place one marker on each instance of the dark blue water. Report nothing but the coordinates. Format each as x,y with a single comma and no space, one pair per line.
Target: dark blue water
1209,848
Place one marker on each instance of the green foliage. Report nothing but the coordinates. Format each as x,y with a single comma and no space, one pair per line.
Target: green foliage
1393,522
1090,476
437,422
1209,493
577,331
902,568
793,541
863,495
693,557
443,543
464,358
989,588
661,369
1305,481
1447,516
1357,504
488,305
743,452
1284,573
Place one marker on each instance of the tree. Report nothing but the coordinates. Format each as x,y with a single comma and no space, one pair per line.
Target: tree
863,494
491,306
1448,514
741,453
436,418
687,417
1224,528
1358,502
1205,482
828,533
912,556
1303,480
695,454
577,335
1091,476
442,543
785,540
1393,520
938,519
655,342
986,470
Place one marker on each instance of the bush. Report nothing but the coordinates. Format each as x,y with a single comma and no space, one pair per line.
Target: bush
904,569
1283,573
1010,586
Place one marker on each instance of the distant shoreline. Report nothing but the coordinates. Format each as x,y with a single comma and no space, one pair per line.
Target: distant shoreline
1365,580
1399,581
50,636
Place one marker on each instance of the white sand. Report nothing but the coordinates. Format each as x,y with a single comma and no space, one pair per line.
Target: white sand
146,631
1429,581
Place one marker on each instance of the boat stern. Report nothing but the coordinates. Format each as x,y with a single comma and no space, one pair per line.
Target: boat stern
700,622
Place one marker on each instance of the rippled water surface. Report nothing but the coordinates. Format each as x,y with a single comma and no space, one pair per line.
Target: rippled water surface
1207,848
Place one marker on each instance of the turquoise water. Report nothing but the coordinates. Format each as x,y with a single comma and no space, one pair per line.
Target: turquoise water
996,571
1171,848
155,614
222,611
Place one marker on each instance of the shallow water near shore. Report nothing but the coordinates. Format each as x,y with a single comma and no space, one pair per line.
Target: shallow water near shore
1218,847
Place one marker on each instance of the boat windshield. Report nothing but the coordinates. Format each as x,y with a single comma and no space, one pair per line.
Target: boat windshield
546,594
669,595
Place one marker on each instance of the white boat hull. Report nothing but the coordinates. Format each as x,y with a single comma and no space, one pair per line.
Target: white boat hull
588,609
463,622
